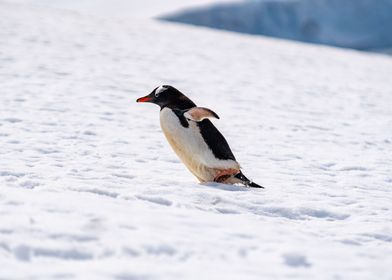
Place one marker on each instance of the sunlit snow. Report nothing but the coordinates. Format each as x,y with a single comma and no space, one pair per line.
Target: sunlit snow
90,189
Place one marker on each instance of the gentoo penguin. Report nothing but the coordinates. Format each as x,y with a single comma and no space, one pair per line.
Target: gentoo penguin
193,137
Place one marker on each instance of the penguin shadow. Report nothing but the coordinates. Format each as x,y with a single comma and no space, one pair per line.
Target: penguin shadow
226,187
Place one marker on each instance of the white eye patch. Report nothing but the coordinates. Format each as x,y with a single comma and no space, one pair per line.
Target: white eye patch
159,90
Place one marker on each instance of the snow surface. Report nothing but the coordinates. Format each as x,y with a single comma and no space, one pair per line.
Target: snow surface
124,8
89,188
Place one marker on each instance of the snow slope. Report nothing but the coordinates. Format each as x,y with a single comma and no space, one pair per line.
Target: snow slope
89,188
123,8
358,24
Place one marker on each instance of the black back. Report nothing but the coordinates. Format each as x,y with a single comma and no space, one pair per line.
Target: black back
215,140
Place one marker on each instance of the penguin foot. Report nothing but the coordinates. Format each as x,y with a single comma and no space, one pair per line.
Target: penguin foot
224,174
233,176
222,178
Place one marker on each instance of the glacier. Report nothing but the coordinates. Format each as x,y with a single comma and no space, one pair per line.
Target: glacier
358,24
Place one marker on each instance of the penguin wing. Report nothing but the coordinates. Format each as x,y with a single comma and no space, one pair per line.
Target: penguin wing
215,141
198,114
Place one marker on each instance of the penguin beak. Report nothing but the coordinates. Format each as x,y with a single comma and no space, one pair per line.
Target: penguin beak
144,99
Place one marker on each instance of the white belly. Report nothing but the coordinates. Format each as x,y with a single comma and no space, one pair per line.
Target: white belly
189,145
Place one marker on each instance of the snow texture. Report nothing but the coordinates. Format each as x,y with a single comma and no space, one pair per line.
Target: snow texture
90,189
358,24
123,8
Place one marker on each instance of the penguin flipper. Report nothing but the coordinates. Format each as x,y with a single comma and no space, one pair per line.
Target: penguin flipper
198,114
246,181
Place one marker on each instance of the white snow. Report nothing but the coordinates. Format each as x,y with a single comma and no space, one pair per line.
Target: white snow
124,8
90,189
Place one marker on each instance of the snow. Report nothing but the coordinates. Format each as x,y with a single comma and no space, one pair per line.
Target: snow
123,8
89,188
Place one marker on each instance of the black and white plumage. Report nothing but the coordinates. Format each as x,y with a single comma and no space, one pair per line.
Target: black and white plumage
193,137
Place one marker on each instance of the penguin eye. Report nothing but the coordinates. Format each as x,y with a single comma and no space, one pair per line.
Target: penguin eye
157,94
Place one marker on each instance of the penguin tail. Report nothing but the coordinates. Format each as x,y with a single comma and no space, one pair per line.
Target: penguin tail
254,185
240,176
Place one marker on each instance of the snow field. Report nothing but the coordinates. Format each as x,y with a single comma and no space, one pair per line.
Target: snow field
89,188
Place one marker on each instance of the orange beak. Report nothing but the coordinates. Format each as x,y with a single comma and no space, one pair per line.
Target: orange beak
144,99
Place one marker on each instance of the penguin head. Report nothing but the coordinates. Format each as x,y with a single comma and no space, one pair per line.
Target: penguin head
168,96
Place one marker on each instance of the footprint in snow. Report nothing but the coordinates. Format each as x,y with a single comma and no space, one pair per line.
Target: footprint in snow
11,173
12,120
99,192
156,200
302,213
123,176
29,184
295,260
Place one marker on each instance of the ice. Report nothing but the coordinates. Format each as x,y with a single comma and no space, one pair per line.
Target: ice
358,24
